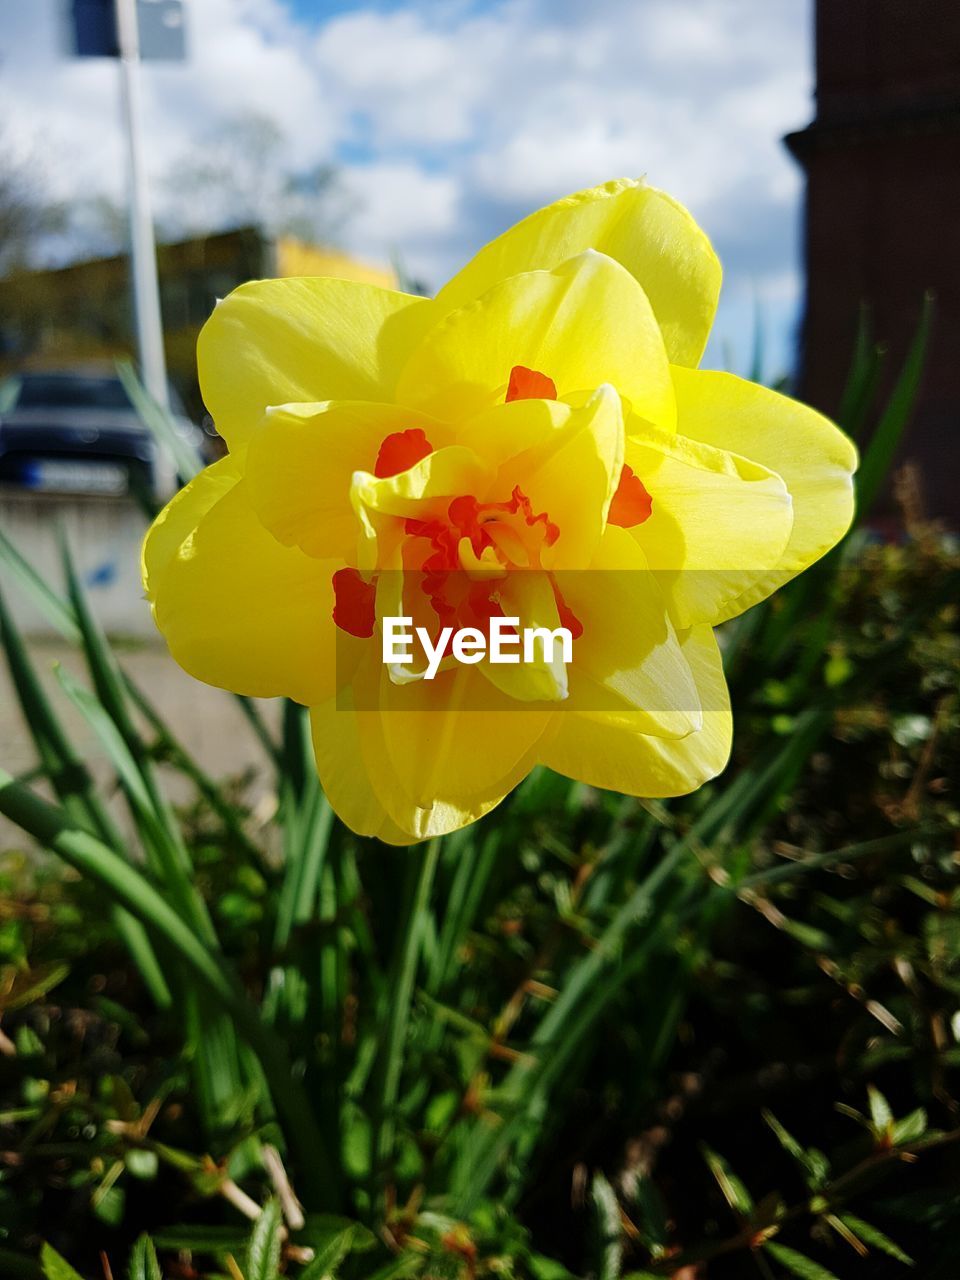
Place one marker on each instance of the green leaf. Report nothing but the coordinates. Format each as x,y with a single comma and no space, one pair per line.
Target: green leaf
125,884
109,1205
544,1268
589,986
197,1237
814,1163
263,1253
159,421
798,1264
55,1267
143,1260
881,1117
142,1163
51,605
874,1236
650,1213
607,1230
171,860
34,984
422,865
74,788
333,1239
404,1265
863,378
911,1128
734,1192
883,444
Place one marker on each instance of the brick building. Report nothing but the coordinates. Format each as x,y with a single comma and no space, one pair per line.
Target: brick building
882,159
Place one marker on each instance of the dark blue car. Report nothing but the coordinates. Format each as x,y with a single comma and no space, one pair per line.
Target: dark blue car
77,432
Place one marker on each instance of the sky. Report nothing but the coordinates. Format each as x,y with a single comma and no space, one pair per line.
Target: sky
451,119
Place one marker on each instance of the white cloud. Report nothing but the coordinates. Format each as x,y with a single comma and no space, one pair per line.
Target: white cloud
452,120
239,64
400,75
403,212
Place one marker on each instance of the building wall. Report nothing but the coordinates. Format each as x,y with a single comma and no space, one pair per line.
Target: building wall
296,258
882,160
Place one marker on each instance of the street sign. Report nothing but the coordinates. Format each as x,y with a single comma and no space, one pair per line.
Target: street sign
94,29
162,29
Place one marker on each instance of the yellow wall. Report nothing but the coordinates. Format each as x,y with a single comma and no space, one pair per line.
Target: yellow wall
294,258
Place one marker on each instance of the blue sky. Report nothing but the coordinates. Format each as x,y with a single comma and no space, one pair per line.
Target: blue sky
450,119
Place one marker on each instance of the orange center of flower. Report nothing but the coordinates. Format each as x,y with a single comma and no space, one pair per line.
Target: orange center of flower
400,451
631,504
354,603
462,556
528,384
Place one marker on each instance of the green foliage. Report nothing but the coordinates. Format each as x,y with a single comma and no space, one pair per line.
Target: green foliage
263,1251
797,1264
587,1036
143,1261
55,1267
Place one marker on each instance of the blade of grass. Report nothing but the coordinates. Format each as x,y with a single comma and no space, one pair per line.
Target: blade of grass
309,820
74,788
159,421
422,868
181,760
473,861
885,440
51,605
863,378
216,1056
581,1000
169,860
51,828
835,857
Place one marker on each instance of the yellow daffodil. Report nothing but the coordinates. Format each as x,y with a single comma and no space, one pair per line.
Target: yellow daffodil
535,443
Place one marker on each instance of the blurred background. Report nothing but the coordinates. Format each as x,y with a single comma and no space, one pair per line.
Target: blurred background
818,143
782,946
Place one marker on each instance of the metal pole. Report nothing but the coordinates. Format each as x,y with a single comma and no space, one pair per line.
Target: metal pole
143,250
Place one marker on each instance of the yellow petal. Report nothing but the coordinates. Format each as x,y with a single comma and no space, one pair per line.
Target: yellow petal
501,431
815,459
240,611
274,342
583,323
455,740
441,475
650,233
178,519
349,754
359,771
628,657
572,474
566,460
301,461
529,596
613,752
343,743
718,525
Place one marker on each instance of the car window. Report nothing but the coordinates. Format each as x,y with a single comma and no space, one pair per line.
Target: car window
66,391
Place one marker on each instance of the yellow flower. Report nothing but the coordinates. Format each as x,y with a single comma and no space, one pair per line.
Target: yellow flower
535,442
